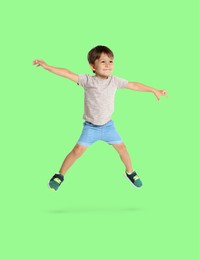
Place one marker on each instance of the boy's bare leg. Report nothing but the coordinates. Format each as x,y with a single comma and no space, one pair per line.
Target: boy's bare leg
77,151
124,155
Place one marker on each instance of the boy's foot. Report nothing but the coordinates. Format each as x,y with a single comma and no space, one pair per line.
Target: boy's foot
55,181
134,178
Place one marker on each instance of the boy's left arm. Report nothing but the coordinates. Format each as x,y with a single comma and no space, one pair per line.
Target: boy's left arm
141,87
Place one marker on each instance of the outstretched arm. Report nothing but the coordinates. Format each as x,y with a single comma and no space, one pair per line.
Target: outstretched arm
141,87
59,71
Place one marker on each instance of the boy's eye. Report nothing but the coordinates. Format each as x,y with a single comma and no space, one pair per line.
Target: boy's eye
103,61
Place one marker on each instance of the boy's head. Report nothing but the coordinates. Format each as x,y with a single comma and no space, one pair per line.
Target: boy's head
100,59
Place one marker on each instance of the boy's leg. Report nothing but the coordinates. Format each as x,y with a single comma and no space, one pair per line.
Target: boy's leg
129,173
124,155
76,152
57,179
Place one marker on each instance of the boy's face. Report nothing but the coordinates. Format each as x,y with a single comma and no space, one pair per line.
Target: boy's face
103,66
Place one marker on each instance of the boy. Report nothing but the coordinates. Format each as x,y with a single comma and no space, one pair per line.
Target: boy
98,109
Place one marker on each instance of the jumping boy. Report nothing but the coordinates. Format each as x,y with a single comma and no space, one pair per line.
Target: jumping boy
99,92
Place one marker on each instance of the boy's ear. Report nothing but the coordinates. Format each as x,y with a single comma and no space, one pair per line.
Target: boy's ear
92,67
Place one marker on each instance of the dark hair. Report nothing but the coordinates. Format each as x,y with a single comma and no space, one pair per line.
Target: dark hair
96,52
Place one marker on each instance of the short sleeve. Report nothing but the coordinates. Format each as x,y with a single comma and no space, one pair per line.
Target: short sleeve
82,80
119,82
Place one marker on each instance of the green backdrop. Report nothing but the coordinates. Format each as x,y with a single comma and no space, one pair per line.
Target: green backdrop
97,213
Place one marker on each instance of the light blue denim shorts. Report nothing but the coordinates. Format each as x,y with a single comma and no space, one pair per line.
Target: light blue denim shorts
92,133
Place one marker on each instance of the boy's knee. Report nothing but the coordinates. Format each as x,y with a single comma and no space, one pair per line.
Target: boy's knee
78,150
121,148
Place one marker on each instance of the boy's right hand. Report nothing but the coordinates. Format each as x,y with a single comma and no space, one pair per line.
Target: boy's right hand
40,63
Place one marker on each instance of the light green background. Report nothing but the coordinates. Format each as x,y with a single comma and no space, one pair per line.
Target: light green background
97,214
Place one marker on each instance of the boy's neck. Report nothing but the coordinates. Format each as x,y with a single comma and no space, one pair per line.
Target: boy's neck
100,77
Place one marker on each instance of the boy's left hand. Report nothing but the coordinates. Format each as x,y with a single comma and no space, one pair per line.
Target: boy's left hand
159,93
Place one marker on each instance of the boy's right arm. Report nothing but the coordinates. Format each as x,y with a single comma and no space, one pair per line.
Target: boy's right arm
59,71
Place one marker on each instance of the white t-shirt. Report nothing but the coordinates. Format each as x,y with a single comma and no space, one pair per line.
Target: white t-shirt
99,97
